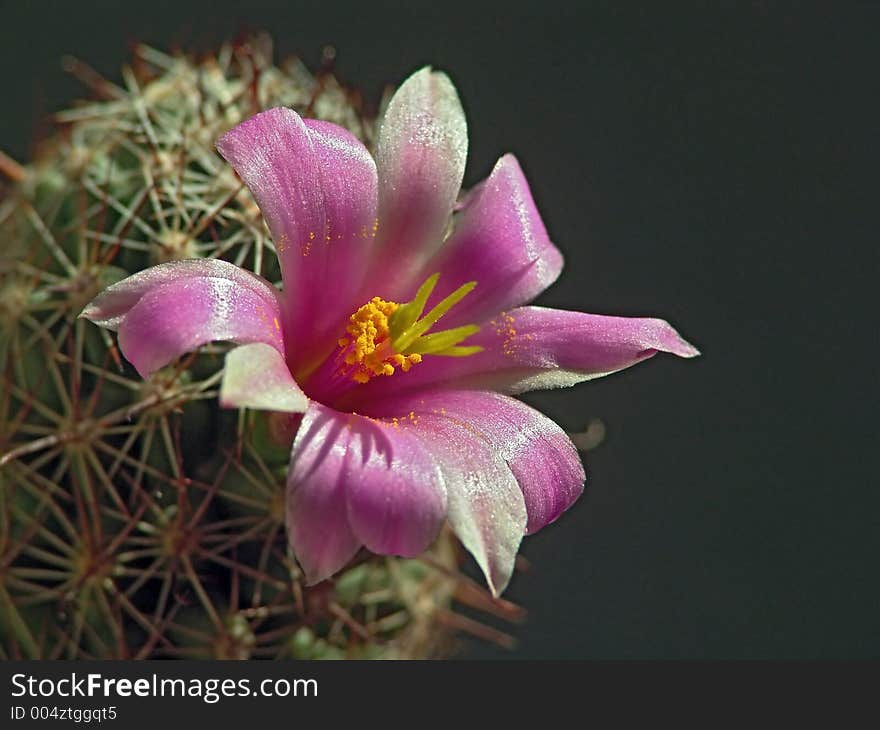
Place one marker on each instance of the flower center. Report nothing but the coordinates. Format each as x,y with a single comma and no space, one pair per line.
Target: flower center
383,336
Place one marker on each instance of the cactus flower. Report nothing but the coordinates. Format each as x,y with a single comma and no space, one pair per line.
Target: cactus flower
400,335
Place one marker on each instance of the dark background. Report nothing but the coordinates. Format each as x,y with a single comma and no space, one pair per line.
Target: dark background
712,168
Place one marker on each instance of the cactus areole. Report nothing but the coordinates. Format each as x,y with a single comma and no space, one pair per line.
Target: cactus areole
399,336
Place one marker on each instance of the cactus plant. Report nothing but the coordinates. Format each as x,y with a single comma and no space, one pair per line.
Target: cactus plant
137,519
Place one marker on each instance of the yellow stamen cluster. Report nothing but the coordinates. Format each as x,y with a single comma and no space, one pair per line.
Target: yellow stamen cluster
384,336
370,347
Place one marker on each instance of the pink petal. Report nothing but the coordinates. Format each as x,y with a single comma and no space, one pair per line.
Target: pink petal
396,495
539,348
534,348
111,305
183,314
274,155
256,376
421,154
500,241
336,266
316,187
539,453
376,474
486,507
317,519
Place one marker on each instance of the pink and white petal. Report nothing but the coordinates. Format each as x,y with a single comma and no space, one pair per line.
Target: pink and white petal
391,490
256,376
274,155
540,454
500,241
536,348
421,154
317,519
111,305
183,314
487,510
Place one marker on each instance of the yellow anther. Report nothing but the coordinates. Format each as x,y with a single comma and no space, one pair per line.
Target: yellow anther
384,336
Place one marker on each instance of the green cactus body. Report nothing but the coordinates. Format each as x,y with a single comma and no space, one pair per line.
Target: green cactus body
137,519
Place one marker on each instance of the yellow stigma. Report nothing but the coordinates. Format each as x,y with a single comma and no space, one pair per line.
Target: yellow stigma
384,336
